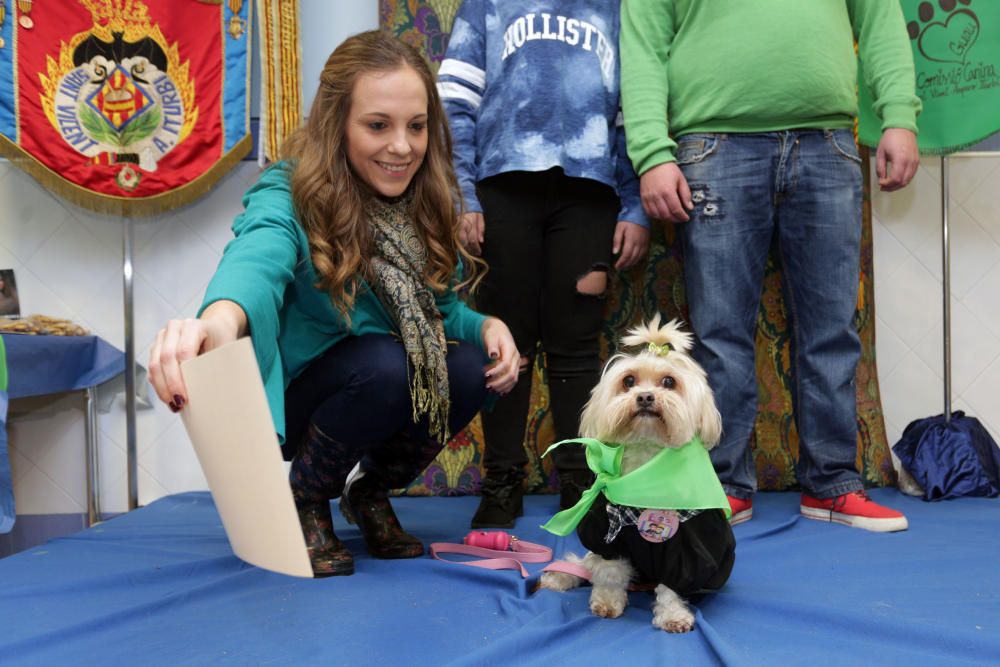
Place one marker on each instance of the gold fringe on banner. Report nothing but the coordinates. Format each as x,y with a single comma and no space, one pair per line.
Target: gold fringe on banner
281,75
125,206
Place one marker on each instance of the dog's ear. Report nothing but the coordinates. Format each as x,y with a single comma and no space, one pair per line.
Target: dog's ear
703,400
710,425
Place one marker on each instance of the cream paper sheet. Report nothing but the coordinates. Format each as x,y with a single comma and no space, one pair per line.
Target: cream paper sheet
229,423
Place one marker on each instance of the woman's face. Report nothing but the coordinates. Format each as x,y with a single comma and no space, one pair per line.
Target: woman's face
387,129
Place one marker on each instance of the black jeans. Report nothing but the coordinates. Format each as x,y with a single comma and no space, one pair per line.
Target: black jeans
545,231
357,394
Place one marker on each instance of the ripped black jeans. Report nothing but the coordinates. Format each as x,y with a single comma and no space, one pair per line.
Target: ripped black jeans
544,232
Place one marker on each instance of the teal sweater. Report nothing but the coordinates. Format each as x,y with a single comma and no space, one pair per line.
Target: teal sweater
693,66
268,271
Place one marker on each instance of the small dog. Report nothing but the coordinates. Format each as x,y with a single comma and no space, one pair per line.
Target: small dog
648,400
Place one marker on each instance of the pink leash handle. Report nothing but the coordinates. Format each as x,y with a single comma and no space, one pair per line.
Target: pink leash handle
495,559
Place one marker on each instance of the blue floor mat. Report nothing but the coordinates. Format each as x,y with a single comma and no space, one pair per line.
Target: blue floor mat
160,586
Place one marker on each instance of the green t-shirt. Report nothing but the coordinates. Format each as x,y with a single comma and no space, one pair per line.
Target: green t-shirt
692,66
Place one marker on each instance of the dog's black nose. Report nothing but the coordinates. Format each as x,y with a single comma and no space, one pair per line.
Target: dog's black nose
645,399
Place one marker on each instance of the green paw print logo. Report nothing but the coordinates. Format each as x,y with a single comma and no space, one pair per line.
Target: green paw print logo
946,38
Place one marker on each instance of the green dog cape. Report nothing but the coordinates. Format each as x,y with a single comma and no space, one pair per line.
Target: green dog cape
679,478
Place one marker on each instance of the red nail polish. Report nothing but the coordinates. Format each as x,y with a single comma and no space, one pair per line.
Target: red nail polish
179,401
173,407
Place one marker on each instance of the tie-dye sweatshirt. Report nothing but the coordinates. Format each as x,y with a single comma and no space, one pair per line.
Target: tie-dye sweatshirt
534,84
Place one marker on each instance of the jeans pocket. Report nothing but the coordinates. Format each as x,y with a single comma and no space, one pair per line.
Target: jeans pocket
694,148
843,142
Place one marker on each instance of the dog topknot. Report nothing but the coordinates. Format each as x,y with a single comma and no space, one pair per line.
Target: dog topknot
651,332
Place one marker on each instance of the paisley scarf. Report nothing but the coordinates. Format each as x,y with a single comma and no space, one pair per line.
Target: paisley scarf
397,277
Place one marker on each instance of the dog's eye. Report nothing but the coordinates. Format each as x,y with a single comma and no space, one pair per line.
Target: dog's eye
629,381
668,382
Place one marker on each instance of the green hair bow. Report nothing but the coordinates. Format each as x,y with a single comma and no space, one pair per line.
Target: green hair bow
661,350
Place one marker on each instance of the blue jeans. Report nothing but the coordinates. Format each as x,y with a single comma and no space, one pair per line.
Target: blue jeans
357,395
804,187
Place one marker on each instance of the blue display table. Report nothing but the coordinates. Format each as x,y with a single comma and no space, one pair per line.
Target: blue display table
40,365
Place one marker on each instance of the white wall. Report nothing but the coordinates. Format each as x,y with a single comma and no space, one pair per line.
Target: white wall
908,293
324,25
68,264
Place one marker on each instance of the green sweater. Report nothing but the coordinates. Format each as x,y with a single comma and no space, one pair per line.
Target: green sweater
268,271
757,66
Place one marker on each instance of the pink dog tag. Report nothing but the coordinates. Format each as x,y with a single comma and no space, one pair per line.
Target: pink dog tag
657,525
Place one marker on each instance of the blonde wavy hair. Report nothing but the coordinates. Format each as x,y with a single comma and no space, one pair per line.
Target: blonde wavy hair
329,197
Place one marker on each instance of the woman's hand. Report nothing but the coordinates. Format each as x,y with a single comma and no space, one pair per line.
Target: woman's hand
222,322
471,232
501,375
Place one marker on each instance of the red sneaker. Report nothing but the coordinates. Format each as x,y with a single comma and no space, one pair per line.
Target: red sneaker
742,509
853,509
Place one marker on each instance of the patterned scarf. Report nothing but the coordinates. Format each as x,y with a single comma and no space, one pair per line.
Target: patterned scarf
397,277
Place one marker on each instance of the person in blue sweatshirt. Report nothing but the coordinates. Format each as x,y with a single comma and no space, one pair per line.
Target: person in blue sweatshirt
550,201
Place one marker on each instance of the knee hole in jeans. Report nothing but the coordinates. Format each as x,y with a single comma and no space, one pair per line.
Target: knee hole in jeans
594,283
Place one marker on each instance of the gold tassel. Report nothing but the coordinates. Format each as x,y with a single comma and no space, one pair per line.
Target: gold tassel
281,74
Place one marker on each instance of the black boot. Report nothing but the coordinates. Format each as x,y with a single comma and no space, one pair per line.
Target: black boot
502,501
572,484
366,502
315,476
328,556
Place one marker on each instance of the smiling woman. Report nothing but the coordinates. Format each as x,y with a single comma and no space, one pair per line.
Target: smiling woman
387,130
343,272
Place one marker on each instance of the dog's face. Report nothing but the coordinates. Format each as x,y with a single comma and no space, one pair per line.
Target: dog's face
658,396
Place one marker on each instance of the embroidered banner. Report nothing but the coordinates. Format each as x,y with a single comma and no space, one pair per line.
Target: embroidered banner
131,107
956,52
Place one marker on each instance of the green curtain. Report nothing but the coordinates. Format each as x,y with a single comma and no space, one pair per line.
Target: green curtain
657,286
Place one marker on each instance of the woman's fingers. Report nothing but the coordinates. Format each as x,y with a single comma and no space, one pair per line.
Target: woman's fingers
177,342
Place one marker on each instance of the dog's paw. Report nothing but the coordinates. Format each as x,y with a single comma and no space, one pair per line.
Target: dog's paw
558,581
670,612
608,602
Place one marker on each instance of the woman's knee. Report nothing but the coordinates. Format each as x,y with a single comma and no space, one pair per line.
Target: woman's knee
381,372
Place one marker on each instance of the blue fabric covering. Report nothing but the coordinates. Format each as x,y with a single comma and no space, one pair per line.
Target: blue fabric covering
8,124
951,459
236,83
160,585
39,365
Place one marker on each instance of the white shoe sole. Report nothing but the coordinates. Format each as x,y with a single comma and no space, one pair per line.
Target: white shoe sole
740,517
887,525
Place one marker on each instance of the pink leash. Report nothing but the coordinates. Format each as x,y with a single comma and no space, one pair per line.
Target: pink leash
496,559
511,558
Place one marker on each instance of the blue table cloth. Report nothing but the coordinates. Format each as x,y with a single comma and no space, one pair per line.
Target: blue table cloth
39,365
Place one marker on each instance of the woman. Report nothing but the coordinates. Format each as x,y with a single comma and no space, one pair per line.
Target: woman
531,92
343,272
